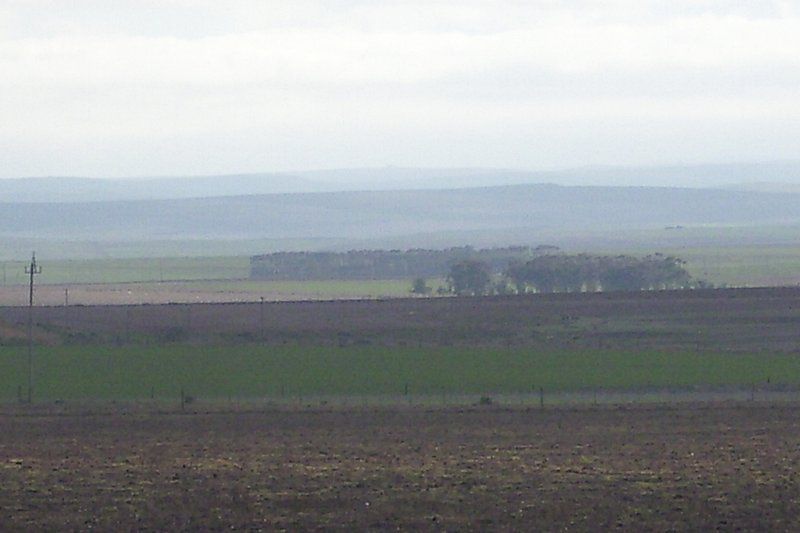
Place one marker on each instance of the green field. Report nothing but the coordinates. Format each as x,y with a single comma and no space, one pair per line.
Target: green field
371,288
129,373
130,270
743,265
224,274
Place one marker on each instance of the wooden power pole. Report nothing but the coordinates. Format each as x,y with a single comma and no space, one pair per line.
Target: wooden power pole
33,269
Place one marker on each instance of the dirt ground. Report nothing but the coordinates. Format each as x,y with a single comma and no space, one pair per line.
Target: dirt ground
710,467
721,319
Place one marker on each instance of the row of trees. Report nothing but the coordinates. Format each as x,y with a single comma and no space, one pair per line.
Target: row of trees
570,273
382,264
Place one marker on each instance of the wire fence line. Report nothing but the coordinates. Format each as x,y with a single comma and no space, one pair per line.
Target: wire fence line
184,400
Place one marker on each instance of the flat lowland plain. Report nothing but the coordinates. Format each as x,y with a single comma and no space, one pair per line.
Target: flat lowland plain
689,467
116,454
724,338
156,280
205,291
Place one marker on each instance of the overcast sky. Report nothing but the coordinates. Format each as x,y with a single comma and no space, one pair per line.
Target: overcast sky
176,87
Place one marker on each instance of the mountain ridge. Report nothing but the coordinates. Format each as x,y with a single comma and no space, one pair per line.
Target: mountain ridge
76,189
374,214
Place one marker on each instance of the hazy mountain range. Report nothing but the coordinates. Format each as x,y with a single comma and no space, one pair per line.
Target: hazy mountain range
387,214
774,176
245,214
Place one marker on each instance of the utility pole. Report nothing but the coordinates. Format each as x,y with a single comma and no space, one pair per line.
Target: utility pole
33,269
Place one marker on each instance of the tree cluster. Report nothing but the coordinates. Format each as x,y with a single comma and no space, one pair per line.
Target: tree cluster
469,277
572,273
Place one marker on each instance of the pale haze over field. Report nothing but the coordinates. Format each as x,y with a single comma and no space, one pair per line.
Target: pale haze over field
113,88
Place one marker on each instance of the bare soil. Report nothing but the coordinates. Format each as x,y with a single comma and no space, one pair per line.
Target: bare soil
701,468
766,319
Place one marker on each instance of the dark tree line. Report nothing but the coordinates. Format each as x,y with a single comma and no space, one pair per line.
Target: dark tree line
381,264
572,273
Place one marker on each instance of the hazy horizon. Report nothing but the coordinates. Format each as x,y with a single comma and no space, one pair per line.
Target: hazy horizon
775,176
448,169
144,88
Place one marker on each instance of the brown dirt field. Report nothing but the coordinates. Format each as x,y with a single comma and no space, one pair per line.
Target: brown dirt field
724,319
701,468
18,335
11,334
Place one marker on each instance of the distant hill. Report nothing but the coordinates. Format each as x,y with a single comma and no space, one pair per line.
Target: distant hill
70,189
371,215
696,176
773,187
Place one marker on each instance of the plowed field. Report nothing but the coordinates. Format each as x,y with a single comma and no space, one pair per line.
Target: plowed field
701,468
760,320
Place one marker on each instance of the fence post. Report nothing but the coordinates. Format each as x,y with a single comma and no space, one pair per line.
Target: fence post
541,397
183,400
127,324
261,319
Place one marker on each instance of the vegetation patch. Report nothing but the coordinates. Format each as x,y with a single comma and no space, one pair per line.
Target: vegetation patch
139,372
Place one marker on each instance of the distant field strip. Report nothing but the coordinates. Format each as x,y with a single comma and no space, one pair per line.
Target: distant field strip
135,372
178,279
750,265
207,291
744,265
130,270
318,288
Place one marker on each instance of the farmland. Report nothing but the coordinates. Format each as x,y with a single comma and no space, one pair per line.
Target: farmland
668,468
155,269
752,266
509,345
225,278
708,320
646,410
292,375
204,291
